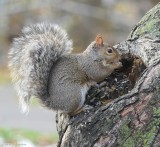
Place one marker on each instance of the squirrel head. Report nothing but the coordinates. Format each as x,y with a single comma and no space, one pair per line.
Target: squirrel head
104,52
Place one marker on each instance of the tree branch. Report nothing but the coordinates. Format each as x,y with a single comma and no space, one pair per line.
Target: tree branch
133,118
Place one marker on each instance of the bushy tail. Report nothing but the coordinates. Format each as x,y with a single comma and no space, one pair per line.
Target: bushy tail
32,57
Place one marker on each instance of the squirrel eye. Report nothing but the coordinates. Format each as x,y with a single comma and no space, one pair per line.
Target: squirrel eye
109,50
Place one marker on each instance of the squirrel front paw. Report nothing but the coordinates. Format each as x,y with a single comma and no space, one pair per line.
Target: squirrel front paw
117,65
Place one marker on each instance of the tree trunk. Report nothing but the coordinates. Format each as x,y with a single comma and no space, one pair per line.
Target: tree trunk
131,119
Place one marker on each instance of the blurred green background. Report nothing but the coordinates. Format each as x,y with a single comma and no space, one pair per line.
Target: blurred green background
83,20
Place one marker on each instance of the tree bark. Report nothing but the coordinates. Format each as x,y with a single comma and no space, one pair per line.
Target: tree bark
132,119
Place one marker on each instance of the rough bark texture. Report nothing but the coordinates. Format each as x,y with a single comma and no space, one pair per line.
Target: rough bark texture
132,119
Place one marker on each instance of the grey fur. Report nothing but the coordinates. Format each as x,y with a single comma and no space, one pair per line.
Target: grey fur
32,57
41,66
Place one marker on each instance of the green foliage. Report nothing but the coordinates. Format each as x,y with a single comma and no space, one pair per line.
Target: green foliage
14,135
7,134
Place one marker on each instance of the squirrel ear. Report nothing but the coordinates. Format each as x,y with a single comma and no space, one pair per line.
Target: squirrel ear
99,40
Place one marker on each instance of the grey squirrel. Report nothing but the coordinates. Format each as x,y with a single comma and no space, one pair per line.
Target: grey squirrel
42,66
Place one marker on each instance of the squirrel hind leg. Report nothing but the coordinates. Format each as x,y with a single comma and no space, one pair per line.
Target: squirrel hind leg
80,108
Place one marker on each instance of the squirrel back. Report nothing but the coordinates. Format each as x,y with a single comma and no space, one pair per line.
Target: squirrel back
32,57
